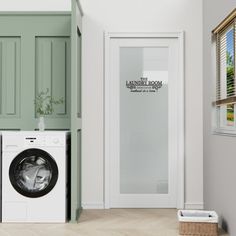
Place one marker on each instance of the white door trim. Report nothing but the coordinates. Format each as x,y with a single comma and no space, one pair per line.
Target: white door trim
180,117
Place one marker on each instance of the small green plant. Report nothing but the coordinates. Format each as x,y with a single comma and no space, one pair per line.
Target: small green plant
44,103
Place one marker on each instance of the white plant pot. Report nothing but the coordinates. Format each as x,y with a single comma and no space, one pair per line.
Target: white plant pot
41,123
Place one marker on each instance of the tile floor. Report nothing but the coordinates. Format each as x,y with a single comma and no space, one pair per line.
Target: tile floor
115,222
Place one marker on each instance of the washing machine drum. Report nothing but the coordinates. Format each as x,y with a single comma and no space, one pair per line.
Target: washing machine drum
33,173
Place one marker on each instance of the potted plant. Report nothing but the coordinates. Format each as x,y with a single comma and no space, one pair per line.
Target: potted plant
44,106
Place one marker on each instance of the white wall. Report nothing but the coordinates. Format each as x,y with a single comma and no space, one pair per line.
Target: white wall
35,5
139,16
219,151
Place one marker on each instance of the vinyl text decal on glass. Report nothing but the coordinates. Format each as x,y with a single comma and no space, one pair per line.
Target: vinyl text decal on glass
143,85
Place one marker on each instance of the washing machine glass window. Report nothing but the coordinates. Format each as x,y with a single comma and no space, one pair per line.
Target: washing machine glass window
33,173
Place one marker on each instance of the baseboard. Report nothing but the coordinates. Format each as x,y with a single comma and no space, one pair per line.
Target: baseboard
92,205
194,205
100,205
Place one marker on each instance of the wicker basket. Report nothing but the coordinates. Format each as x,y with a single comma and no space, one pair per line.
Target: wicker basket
201,229
204,224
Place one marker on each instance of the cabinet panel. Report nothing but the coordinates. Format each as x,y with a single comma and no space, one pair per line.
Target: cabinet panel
53,71
79,84
59,50
1,89
10,60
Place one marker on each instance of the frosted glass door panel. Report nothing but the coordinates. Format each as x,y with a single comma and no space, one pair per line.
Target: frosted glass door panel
144,120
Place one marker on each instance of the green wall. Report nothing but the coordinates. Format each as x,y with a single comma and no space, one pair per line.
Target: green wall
34,57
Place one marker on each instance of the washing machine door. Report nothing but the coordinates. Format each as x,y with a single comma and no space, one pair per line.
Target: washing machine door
33,173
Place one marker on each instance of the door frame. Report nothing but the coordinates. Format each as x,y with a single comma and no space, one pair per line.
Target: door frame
180,117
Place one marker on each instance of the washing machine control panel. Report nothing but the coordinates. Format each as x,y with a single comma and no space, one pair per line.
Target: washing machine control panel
47,141
20,140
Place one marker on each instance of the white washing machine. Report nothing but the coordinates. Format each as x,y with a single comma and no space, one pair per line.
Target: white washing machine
34,176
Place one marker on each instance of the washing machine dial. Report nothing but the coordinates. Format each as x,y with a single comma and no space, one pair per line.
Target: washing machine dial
56,141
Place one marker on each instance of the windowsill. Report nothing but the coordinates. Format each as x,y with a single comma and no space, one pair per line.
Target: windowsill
224,132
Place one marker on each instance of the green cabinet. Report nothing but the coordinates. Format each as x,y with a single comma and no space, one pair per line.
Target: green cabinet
35,56
39,52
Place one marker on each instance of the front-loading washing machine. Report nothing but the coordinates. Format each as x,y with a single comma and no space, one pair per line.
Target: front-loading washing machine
34,176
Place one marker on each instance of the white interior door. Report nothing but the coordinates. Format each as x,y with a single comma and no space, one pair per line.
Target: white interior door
142,122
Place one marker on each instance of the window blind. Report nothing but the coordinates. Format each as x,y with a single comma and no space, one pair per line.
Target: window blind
225,83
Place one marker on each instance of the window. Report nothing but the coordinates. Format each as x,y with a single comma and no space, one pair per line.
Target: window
225,99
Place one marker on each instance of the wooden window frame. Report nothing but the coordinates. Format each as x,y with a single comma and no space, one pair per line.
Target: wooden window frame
229,21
